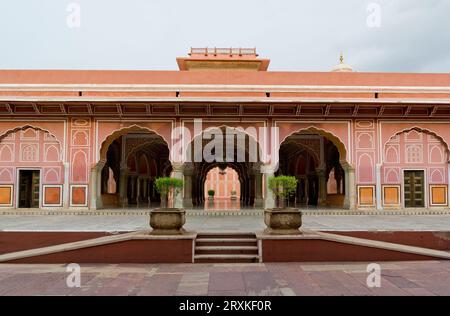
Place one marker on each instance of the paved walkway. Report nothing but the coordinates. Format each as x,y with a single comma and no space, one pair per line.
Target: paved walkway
224,223
411,278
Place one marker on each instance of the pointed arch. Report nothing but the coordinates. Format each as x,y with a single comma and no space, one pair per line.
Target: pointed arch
124,131
6,153
51,176
6,175
79,167
340,145
395,136
25,127
52,154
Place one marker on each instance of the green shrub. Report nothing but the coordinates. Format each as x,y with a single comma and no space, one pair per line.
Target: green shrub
166,185
283,187
211,193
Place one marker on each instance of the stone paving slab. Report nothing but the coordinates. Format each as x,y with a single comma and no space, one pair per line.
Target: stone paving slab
224,223
398,279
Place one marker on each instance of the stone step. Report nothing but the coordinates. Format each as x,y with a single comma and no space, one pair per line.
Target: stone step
238,250
226,258
226,235
226,242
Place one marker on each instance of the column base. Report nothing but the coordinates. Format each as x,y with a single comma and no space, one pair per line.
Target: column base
188,203
259,203
269,203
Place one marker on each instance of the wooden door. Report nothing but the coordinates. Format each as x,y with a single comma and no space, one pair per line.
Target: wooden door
414,189
35,189
29,189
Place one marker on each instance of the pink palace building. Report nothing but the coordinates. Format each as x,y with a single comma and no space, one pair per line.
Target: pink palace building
91,140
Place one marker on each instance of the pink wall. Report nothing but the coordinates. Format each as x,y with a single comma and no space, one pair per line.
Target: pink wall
77,141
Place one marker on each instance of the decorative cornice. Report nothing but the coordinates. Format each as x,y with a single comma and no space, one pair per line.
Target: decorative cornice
221,88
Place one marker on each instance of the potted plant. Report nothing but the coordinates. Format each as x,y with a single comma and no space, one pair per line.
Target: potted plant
233,196
282,220
166,220
211,194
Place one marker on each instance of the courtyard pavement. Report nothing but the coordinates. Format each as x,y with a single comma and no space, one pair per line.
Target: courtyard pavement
223,223
288,279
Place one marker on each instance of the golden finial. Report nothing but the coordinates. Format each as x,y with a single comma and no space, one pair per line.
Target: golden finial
342,58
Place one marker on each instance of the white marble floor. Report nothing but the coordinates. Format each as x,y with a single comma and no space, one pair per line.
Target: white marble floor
223,223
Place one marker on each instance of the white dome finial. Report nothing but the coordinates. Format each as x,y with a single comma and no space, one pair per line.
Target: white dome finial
342,67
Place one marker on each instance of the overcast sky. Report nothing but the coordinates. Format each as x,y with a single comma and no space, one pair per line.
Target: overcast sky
414,35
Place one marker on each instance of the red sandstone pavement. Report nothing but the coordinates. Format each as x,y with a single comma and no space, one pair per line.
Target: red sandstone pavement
399,279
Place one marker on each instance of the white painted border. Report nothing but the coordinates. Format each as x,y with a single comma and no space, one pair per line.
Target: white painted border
11,198
431,194
222,88
86,195
373,196
60,186
399,197
225,100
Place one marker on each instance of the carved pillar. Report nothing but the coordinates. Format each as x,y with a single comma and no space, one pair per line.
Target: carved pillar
123,183
306,191
187,200
138,190
322,196
66,193
96,186
268,171
177,172
350,187
259,202
378,188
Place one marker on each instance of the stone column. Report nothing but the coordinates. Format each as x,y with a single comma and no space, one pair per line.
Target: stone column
133,188
268,171
378,188
177,172
448,183
259,202
187,200
66,192
123,183
306,191
138,190
350,187
96,186
322,187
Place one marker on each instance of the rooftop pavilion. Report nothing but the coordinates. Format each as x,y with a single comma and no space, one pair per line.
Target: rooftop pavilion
237,59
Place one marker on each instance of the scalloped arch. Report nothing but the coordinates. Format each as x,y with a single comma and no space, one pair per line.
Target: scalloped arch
328,135
121,132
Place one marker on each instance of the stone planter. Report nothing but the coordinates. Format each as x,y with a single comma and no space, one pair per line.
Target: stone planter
286,221
167,221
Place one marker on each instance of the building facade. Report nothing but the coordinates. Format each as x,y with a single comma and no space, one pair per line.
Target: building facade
98,139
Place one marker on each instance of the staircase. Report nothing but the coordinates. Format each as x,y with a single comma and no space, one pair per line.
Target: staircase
226,248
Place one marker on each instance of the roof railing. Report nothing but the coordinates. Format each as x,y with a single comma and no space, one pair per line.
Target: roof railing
224,51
